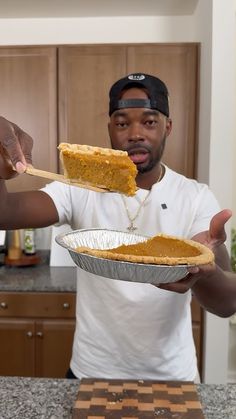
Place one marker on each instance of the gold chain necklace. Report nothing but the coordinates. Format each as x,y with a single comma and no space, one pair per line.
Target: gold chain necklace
131,226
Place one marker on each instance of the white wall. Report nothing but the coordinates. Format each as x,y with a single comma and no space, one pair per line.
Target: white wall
213,25
232,336
222,132
234,161
96,30
216,145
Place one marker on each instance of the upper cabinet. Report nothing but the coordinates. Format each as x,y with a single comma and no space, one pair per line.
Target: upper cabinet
87,72
60,94
28,85
85,76
177,66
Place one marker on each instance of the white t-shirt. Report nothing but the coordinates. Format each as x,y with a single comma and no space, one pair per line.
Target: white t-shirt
126,329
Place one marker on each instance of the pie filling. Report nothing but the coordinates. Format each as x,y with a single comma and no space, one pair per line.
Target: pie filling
160,250
158,247
101,167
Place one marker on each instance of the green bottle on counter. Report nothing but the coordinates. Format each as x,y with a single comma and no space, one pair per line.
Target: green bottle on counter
29,241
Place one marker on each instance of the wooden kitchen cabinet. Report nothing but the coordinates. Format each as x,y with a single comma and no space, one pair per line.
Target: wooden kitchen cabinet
177,65
37,329
28,86
36,333
60,94
197,327
86,73
17,348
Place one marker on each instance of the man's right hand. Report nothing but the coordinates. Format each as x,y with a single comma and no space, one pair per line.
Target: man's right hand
15,149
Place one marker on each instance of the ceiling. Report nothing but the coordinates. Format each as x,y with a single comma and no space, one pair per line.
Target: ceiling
94,8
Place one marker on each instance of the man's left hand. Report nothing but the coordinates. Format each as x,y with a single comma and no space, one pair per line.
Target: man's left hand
212,238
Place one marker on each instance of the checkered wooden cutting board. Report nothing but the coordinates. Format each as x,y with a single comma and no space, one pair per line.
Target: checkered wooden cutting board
136,399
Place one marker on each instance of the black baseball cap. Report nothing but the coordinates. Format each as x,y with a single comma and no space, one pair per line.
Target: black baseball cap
158,97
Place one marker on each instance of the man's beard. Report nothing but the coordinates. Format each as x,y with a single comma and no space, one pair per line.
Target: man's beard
153,162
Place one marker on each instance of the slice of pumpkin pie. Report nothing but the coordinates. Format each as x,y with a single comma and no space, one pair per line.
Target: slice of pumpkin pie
99,167
159,250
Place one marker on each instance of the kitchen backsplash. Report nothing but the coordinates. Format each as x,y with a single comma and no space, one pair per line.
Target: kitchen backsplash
43,238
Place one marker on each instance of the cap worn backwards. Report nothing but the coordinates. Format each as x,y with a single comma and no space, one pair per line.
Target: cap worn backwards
158,97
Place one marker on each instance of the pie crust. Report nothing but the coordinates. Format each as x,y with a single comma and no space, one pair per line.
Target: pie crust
159,250
99,167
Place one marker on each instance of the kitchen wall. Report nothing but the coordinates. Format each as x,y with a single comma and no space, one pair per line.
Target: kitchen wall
232,334
212,23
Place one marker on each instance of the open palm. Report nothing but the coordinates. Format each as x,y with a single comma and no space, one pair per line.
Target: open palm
216,235
212,238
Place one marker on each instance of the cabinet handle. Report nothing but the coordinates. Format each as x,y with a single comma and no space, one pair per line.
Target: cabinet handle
39,334
29,334
4,305
66,306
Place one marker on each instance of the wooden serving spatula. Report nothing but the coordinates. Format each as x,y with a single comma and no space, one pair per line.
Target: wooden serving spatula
61,178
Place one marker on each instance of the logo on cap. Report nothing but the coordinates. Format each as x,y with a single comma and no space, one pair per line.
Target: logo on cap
136,77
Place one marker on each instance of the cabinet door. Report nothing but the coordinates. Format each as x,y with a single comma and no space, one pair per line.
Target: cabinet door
197,326
17,347
28,83
85,76
54,340
177,65
198,344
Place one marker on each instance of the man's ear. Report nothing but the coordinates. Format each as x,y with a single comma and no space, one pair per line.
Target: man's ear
168,126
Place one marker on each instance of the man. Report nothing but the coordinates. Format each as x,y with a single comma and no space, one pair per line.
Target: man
131,330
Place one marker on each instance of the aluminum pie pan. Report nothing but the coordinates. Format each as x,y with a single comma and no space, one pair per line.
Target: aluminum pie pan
114,269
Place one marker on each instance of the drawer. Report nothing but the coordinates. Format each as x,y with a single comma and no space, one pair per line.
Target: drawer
53,305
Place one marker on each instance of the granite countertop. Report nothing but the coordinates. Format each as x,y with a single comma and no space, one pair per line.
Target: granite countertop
38,278
42,398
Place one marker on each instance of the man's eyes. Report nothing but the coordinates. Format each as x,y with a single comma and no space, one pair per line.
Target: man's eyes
147,122
121,124
151,122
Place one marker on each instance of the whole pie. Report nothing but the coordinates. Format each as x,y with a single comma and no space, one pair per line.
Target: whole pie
100,167
160,250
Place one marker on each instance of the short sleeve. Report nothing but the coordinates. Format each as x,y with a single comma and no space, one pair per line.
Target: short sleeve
61,196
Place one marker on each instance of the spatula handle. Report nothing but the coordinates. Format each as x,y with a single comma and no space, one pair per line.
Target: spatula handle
60,178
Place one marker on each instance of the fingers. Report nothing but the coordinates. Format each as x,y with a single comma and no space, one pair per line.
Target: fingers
217,225
185,284
193,270
15,147
6,169
26,143
181,286
216,234
10,145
